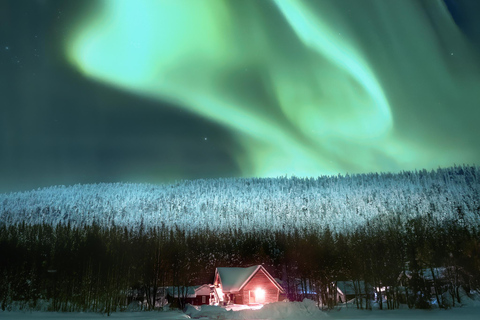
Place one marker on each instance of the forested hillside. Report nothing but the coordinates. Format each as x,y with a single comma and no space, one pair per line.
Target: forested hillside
340,203
102,247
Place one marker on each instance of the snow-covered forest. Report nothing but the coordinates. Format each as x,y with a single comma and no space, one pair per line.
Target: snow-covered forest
283,204
406,238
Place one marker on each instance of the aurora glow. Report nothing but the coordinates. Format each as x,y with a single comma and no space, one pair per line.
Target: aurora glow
308,87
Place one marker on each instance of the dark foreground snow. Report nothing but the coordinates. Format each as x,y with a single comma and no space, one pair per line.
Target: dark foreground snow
170,315
464,313
282,310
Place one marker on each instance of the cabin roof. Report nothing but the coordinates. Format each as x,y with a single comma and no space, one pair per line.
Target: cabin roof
234,279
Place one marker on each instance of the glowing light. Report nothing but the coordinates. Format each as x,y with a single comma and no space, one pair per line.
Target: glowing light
220,293
259,295
301,97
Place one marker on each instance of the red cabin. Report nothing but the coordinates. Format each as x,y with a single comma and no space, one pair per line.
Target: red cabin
252,285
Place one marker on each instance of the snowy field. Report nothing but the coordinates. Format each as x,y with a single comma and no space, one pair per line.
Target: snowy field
467,313
170,315
282,310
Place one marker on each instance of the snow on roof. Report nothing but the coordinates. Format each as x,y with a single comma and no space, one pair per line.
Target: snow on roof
233,278
188,292
348,288
203,290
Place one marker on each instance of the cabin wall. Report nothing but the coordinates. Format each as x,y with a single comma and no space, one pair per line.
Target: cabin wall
238,298
200,300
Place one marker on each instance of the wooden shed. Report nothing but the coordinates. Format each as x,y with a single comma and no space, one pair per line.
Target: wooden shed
251,285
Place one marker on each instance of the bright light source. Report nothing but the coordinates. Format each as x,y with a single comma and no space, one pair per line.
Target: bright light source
220,293
259,295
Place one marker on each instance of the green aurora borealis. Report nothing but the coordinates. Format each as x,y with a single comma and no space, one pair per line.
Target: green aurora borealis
163,90
307,87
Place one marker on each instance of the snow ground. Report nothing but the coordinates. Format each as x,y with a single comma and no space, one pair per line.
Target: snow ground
239,307
464,313
306,310
169,315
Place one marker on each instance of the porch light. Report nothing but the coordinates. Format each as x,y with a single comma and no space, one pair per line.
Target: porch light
259,294
220,293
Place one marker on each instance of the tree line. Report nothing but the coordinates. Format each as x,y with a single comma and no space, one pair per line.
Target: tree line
94,268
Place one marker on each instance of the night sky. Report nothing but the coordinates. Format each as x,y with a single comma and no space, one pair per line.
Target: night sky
157,91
